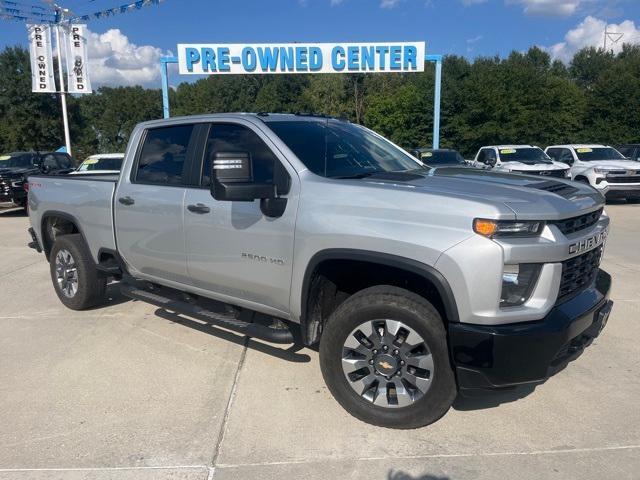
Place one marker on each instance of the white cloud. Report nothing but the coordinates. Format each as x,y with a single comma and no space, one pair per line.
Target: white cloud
115,61
549,7
590,33
389,3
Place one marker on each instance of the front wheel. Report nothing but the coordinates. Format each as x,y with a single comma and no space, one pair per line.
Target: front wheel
73,272
384,357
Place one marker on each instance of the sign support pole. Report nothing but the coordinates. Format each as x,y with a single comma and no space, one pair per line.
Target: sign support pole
165,83
63,95
436,98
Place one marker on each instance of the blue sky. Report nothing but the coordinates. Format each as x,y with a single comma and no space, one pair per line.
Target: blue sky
464,27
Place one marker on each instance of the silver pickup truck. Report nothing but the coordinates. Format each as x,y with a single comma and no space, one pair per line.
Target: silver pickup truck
417,283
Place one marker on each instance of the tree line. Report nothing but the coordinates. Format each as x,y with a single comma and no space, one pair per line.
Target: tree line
524,98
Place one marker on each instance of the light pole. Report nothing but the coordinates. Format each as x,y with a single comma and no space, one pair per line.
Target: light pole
63,94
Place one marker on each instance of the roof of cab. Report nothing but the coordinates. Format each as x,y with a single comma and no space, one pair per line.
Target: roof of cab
510,146
262,116
579,145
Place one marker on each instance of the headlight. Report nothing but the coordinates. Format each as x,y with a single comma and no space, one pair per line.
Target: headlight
507,228
517,283
604,171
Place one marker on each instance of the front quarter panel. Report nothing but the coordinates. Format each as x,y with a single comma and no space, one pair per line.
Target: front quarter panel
388,219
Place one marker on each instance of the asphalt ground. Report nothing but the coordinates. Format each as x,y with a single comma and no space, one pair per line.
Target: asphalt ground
128,391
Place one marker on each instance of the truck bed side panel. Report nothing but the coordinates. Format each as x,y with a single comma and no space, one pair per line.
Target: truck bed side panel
86,200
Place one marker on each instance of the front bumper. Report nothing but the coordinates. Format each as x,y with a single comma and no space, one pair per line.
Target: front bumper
489,357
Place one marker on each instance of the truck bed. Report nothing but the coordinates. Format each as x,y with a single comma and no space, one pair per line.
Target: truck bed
86,199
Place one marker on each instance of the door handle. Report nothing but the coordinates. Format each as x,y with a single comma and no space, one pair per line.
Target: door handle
199,208
126,200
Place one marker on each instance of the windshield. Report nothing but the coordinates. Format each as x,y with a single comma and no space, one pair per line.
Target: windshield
599,153
334,148
528,155
91,164
442,157
16,160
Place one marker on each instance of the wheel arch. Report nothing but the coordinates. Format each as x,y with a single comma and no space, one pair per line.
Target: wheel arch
311,323
66,224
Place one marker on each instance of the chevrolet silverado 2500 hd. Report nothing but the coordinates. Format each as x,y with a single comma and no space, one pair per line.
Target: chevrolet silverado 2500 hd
417,283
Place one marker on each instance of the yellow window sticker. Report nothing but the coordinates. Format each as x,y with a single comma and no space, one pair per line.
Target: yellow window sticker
4,157
91,161
426,155
507,151
584,150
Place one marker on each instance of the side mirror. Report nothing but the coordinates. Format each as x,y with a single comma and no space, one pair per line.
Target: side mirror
232,179
492,162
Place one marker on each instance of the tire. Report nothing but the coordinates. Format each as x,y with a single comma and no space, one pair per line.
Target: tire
71,260
428,394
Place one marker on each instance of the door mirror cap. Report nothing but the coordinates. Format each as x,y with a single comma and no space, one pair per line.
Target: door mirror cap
492,162
232,179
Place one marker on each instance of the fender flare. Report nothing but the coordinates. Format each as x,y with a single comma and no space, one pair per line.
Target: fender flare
427,272
66,216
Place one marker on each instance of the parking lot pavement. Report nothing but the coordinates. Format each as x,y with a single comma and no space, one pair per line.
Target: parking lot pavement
129,392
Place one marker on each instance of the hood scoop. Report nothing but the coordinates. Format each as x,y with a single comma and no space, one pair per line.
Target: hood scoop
559,188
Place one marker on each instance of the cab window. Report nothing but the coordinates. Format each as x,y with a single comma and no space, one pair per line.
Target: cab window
228,137
163,156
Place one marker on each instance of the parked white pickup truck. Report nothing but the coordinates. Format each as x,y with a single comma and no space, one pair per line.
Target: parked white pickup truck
602,167
519,159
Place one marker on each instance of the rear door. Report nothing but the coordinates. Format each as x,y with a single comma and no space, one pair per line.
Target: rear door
234,251
149,204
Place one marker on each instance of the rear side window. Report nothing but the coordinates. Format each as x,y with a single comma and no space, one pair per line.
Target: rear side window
64,161
163,156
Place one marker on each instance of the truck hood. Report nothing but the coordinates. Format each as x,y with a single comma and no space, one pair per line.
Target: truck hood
535,167
15,171
528,197
621,164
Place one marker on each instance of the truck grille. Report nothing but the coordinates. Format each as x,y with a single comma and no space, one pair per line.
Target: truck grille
5,186
575,224
629,179
579,272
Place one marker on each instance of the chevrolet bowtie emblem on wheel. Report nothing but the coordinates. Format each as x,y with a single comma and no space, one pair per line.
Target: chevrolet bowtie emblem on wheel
385,365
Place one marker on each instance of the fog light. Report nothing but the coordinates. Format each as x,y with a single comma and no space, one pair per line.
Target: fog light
518,282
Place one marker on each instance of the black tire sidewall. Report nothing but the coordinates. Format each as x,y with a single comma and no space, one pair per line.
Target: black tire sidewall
91,287
396,304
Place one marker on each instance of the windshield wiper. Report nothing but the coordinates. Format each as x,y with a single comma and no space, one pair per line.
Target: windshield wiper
359,175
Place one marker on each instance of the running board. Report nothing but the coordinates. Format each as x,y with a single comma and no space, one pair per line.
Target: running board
254,330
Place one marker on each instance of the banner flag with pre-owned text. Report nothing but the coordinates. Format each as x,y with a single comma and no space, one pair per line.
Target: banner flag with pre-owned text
41,59
77,74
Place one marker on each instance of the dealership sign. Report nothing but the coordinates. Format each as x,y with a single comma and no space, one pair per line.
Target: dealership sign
41,59
76,55
210,59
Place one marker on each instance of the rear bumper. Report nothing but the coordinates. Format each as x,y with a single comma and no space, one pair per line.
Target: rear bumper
490,357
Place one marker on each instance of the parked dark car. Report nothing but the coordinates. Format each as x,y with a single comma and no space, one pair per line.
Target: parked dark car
630,150
441,157
15,167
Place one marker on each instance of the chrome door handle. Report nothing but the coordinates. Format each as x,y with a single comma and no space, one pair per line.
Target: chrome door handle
199,208
126,200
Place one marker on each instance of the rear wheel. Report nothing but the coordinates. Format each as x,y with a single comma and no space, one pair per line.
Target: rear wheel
74,274
384,357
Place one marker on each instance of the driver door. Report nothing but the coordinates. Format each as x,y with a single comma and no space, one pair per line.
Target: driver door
234,251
